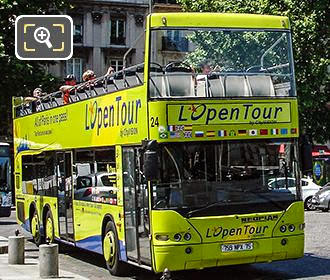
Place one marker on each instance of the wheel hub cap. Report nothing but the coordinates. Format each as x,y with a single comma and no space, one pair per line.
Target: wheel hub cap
109,246
49,230
35,226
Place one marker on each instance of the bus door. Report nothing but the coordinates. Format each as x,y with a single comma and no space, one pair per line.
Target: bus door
136,209
64,179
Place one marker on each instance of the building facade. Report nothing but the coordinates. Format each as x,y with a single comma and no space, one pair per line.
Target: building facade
104,30
102,33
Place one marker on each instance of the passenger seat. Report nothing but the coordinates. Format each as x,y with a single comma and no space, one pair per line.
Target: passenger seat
180,81
236,86
261,85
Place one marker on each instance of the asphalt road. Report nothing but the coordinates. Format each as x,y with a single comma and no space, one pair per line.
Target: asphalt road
314,265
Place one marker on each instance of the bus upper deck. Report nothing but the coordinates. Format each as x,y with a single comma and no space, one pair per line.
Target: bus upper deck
251,58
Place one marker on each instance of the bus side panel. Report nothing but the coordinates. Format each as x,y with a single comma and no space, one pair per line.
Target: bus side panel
90,216
88,219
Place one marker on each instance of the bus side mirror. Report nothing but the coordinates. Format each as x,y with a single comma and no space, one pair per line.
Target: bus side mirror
306,157
150,161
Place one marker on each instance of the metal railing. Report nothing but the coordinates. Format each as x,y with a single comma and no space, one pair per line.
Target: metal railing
127,78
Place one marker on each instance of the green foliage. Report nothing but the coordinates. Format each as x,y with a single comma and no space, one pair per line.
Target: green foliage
19,78
309,23
237,50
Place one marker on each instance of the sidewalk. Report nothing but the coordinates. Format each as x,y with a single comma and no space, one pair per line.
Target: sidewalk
29,270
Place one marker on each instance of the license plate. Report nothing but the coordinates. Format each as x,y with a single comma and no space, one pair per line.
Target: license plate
237,247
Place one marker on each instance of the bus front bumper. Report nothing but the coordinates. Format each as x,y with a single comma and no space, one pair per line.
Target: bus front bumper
209,254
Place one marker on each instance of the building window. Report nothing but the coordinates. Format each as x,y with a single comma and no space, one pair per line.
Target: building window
77,29
117,32
174,41
75,66
116,64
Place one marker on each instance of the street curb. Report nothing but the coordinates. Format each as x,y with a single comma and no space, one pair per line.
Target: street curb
3,245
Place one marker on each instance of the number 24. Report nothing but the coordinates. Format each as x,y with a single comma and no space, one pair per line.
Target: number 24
154,122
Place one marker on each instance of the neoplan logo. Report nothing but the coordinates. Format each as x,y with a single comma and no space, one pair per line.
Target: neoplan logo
260,218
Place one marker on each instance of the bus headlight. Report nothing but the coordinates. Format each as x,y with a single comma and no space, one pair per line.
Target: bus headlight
187,236
291,228
177,237
162,237
282,228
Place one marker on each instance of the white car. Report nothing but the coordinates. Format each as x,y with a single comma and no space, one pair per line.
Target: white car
309,188
97,187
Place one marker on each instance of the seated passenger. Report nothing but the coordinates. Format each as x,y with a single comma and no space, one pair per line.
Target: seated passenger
70,82
32,100
201,79
88,75
110,71
206,69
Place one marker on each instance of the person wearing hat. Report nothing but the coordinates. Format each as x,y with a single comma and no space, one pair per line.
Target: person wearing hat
70,82
88,75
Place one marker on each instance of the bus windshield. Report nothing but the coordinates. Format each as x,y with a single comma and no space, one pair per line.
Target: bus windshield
230,177
220,63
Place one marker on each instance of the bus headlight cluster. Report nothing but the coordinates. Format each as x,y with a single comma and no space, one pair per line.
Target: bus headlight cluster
177,237
290,228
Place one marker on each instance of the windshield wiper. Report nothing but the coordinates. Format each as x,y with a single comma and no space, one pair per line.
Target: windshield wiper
206,207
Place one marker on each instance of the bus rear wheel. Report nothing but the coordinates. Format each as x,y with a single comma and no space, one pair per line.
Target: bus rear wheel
111,251
49,228
35,229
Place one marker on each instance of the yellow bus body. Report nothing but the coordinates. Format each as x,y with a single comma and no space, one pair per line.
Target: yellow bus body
126,118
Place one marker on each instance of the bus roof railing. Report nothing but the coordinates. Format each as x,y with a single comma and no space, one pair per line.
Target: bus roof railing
126,78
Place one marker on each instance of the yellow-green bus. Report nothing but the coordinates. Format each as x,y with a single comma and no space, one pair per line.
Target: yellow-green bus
171,163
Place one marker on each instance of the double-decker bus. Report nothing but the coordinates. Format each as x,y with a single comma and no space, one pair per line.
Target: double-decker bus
5,180
168,163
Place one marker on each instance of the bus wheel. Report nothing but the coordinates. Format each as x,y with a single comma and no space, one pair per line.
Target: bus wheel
49,228
35,229
111,250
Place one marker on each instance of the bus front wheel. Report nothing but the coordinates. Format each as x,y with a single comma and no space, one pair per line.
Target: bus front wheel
35,229
49,227
111,250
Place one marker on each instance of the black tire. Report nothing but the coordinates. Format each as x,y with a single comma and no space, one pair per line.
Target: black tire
36,232
114,265
308,204
49,219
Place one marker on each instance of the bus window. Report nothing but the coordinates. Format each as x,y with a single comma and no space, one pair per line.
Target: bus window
227,174
27,174
214,62
95,176
50,186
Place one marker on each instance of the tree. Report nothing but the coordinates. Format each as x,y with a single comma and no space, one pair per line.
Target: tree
309,24
18,77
